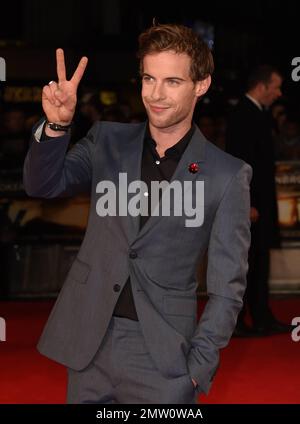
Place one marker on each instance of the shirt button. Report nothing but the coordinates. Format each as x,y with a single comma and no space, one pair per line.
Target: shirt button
157,162
117,287
132,254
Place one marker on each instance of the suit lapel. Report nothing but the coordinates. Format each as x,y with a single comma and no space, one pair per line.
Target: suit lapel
194,153
131,163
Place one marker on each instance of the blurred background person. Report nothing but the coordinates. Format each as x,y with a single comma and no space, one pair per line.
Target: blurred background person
249,137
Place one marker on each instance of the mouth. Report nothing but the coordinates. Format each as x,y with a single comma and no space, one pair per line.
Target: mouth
158,109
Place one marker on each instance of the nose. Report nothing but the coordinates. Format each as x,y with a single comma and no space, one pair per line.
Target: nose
157,91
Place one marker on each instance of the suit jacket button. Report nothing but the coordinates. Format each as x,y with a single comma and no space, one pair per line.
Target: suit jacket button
133,254
117,287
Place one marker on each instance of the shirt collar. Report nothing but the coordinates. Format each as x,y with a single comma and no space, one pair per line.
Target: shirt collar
175,151
254,101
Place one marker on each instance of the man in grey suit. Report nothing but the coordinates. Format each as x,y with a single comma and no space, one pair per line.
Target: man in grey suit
125,322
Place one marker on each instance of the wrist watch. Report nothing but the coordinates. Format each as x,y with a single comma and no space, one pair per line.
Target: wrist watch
57,127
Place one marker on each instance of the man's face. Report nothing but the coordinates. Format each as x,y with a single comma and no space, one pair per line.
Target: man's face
272,90
168,93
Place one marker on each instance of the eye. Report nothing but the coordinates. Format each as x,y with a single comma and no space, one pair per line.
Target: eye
147,78
173,82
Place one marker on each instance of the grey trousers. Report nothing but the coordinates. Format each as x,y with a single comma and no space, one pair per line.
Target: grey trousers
123,372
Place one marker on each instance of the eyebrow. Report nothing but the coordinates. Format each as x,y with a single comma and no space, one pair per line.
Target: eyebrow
168,78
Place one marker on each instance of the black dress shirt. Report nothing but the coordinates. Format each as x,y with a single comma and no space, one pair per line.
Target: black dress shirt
154,168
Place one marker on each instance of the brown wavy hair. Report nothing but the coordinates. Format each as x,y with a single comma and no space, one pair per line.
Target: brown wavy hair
180,39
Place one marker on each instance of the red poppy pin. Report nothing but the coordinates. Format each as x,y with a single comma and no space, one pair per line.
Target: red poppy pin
193,168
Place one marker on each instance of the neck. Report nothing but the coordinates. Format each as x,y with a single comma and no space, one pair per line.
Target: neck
168,137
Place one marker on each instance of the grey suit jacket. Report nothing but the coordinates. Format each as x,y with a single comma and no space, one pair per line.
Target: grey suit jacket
163,274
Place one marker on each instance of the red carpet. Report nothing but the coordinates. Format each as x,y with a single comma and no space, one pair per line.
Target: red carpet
260,370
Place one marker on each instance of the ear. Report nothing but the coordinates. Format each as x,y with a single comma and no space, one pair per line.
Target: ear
203,86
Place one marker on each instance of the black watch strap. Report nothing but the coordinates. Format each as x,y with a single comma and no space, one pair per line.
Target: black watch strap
58,127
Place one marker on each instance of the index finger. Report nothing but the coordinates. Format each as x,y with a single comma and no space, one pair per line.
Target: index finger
60,65
79,70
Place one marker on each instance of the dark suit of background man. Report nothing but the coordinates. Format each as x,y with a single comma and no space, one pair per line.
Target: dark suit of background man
125,321
249,138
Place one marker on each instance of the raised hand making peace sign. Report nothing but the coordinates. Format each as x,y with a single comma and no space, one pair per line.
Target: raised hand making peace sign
59,98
